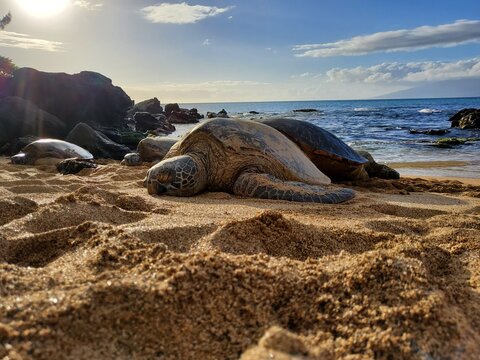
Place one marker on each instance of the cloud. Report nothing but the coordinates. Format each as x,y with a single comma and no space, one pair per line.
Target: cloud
24,41
88,5
207,42
182,13
446,35
306,75
407,72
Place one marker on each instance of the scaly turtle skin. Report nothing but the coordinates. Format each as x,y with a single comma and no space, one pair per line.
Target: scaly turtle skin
331,155
49,152
243,157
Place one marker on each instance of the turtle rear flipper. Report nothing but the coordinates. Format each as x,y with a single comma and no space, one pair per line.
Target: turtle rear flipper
265,186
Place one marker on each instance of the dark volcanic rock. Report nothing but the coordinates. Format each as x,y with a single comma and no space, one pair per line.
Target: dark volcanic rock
151,106
19,118
169,108
145,121
429,131
221,114
85,97
306,110
126,137
158,123
96,142
466,119
184,116
16,145
453,141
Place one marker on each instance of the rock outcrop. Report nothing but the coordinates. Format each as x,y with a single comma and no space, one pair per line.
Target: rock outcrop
20,118
145,121
466,119
84,97
96,142
151,106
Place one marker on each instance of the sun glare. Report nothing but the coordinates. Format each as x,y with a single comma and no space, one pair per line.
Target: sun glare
43,8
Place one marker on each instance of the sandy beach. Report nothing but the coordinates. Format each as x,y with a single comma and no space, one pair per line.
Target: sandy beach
93,267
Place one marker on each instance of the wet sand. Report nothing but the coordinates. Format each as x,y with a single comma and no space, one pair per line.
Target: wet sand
92,267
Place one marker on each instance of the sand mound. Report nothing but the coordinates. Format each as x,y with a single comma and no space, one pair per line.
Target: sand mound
271,234
97,268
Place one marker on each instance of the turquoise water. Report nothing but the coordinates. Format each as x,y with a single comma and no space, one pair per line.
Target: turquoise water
381,127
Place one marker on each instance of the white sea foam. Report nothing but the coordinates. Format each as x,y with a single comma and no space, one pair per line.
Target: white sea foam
429,111
365,109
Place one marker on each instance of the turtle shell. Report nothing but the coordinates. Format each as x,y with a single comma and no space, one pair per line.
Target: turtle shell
330,154
231,146
51,151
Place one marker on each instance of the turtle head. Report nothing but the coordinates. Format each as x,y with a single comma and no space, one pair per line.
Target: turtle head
19,159
178,176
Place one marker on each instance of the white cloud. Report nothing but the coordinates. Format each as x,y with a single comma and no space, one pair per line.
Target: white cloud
24,41
207,42
182,13
407,72
306,75
446,35
88,5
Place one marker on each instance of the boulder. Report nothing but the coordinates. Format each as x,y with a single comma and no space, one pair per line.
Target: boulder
20,118
169,108
184,116
466,119
221,114
145,121
84,97
126,137
155,148
151,106
16,145
96,142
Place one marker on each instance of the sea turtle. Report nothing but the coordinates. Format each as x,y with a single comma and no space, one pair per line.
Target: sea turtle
331,155
244,157
149,149
49,152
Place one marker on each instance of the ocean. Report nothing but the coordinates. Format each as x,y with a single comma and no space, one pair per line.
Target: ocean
382,128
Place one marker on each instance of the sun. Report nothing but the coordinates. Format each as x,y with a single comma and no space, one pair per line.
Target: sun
43,8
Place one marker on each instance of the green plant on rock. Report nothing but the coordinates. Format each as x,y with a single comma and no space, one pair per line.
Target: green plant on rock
6,67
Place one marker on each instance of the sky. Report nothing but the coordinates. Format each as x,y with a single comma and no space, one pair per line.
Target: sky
250,50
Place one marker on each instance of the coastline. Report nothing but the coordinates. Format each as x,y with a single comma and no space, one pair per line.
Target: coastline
93,265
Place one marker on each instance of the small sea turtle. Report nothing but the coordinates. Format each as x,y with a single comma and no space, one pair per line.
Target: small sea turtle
49,152
243,157
149,149
331,155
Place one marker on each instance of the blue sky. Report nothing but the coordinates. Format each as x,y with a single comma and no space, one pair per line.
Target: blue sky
210,51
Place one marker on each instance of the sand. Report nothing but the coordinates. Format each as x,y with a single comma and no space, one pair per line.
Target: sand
92,267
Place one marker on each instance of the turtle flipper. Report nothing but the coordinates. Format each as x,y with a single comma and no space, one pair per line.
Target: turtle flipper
265,186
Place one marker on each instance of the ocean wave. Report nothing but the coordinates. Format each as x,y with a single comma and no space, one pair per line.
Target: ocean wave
429,111
363,109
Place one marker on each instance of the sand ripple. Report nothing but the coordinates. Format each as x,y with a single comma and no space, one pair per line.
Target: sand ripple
92,267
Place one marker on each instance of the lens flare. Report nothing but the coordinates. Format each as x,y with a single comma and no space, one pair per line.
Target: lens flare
43,8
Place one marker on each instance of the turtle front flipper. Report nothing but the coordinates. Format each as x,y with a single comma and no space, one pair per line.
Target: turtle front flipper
265,186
